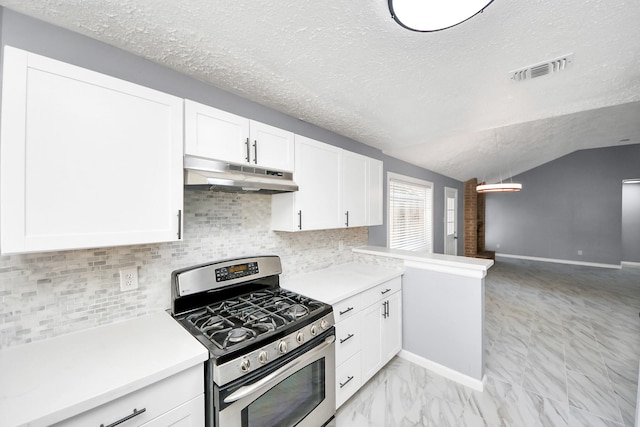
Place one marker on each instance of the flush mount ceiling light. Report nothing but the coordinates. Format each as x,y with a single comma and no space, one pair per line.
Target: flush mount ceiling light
434,15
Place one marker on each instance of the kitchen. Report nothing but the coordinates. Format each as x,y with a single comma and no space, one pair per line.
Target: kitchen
49,294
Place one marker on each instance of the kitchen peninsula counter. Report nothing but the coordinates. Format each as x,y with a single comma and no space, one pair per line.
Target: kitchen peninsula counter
464,266
339,282
443,312
46,382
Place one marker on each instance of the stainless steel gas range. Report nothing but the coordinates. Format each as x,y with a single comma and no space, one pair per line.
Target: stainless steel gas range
272,359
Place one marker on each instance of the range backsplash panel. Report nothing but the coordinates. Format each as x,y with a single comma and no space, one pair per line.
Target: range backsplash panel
48,294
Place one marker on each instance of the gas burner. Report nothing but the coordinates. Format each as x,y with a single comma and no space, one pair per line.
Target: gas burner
214,321
296,311
265,325
281,305
237,335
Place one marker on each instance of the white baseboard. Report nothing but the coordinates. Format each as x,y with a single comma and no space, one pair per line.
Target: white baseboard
559,261
439,369
630,264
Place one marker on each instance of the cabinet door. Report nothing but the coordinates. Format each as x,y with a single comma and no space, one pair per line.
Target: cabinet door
371,339
87,160
354,189
190,414
215,134
374,189
318,176
392,328
271,147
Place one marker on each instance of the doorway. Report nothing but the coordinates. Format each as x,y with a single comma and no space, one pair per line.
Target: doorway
631,221
450,221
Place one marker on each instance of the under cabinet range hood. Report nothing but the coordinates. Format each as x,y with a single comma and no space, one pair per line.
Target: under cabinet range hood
232,178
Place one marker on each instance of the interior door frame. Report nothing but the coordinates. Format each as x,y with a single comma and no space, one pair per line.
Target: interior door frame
448,190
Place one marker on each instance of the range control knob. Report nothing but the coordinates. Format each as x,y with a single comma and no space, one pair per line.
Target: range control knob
324,324
300,337
313,330
282,347
245,365
263,357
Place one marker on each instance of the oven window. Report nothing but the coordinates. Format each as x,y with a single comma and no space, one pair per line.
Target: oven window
287,403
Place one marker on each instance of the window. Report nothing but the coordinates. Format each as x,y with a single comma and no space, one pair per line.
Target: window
410,213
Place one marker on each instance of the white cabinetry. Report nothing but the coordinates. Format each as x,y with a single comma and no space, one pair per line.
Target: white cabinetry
177,400
87,160
354,189
368,335
383,333
316,205
338,189
218,135
374,191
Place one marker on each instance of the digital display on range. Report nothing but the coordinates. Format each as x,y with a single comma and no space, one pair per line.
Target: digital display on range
236,268
236,271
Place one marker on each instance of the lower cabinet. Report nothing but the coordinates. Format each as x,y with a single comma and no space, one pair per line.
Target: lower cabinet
190,414
369,337
176,401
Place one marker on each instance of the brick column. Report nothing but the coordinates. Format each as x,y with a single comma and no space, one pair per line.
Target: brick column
481,223
470,227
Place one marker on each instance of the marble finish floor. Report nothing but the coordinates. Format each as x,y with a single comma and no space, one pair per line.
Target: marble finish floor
562,346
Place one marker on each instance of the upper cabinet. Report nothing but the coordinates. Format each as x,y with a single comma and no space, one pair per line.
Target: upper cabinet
317,204
338,189
354,189
87,160
374,191
218,135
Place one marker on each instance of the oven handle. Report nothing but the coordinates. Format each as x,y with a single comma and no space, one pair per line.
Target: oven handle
282,372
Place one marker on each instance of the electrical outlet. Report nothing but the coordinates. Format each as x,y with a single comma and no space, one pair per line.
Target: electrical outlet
129,279
579,251
497,245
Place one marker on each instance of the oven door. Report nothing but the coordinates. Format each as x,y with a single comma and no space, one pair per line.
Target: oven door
298,391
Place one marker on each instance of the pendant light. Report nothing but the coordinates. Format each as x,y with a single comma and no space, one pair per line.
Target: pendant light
502,187
499,187
434,15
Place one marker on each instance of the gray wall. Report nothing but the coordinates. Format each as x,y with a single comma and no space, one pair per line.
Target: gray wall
631,221
572,203
443,319
55,42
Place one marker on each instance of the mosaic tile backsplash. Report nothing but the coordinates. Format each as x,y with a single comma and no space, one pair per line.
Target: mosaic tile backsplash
48,294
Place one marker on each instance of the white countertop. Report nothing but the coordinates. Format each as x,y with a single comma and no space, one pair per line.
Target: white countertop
48,381
440,262
333,284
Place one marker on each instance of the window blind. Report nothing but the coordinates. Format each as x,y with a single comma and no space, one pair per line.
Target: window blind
410,215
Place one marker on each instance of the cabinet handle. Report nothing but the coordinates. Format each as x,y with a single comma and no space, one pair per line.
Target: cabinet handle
385,291
255,152
346,311
385,309
346,382
128,417
347,214
346,339
299,220
179,224
248,151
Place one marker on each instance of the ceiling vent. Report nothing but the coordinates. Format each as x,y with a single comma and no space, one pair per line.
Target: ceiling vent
542,69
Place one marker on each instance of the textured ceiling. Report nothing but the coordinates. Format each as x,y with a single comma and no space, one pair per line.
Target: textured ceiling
443,100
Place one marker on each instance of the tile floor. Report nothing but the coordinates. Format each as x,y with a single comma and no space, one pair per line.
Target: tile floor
562,346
